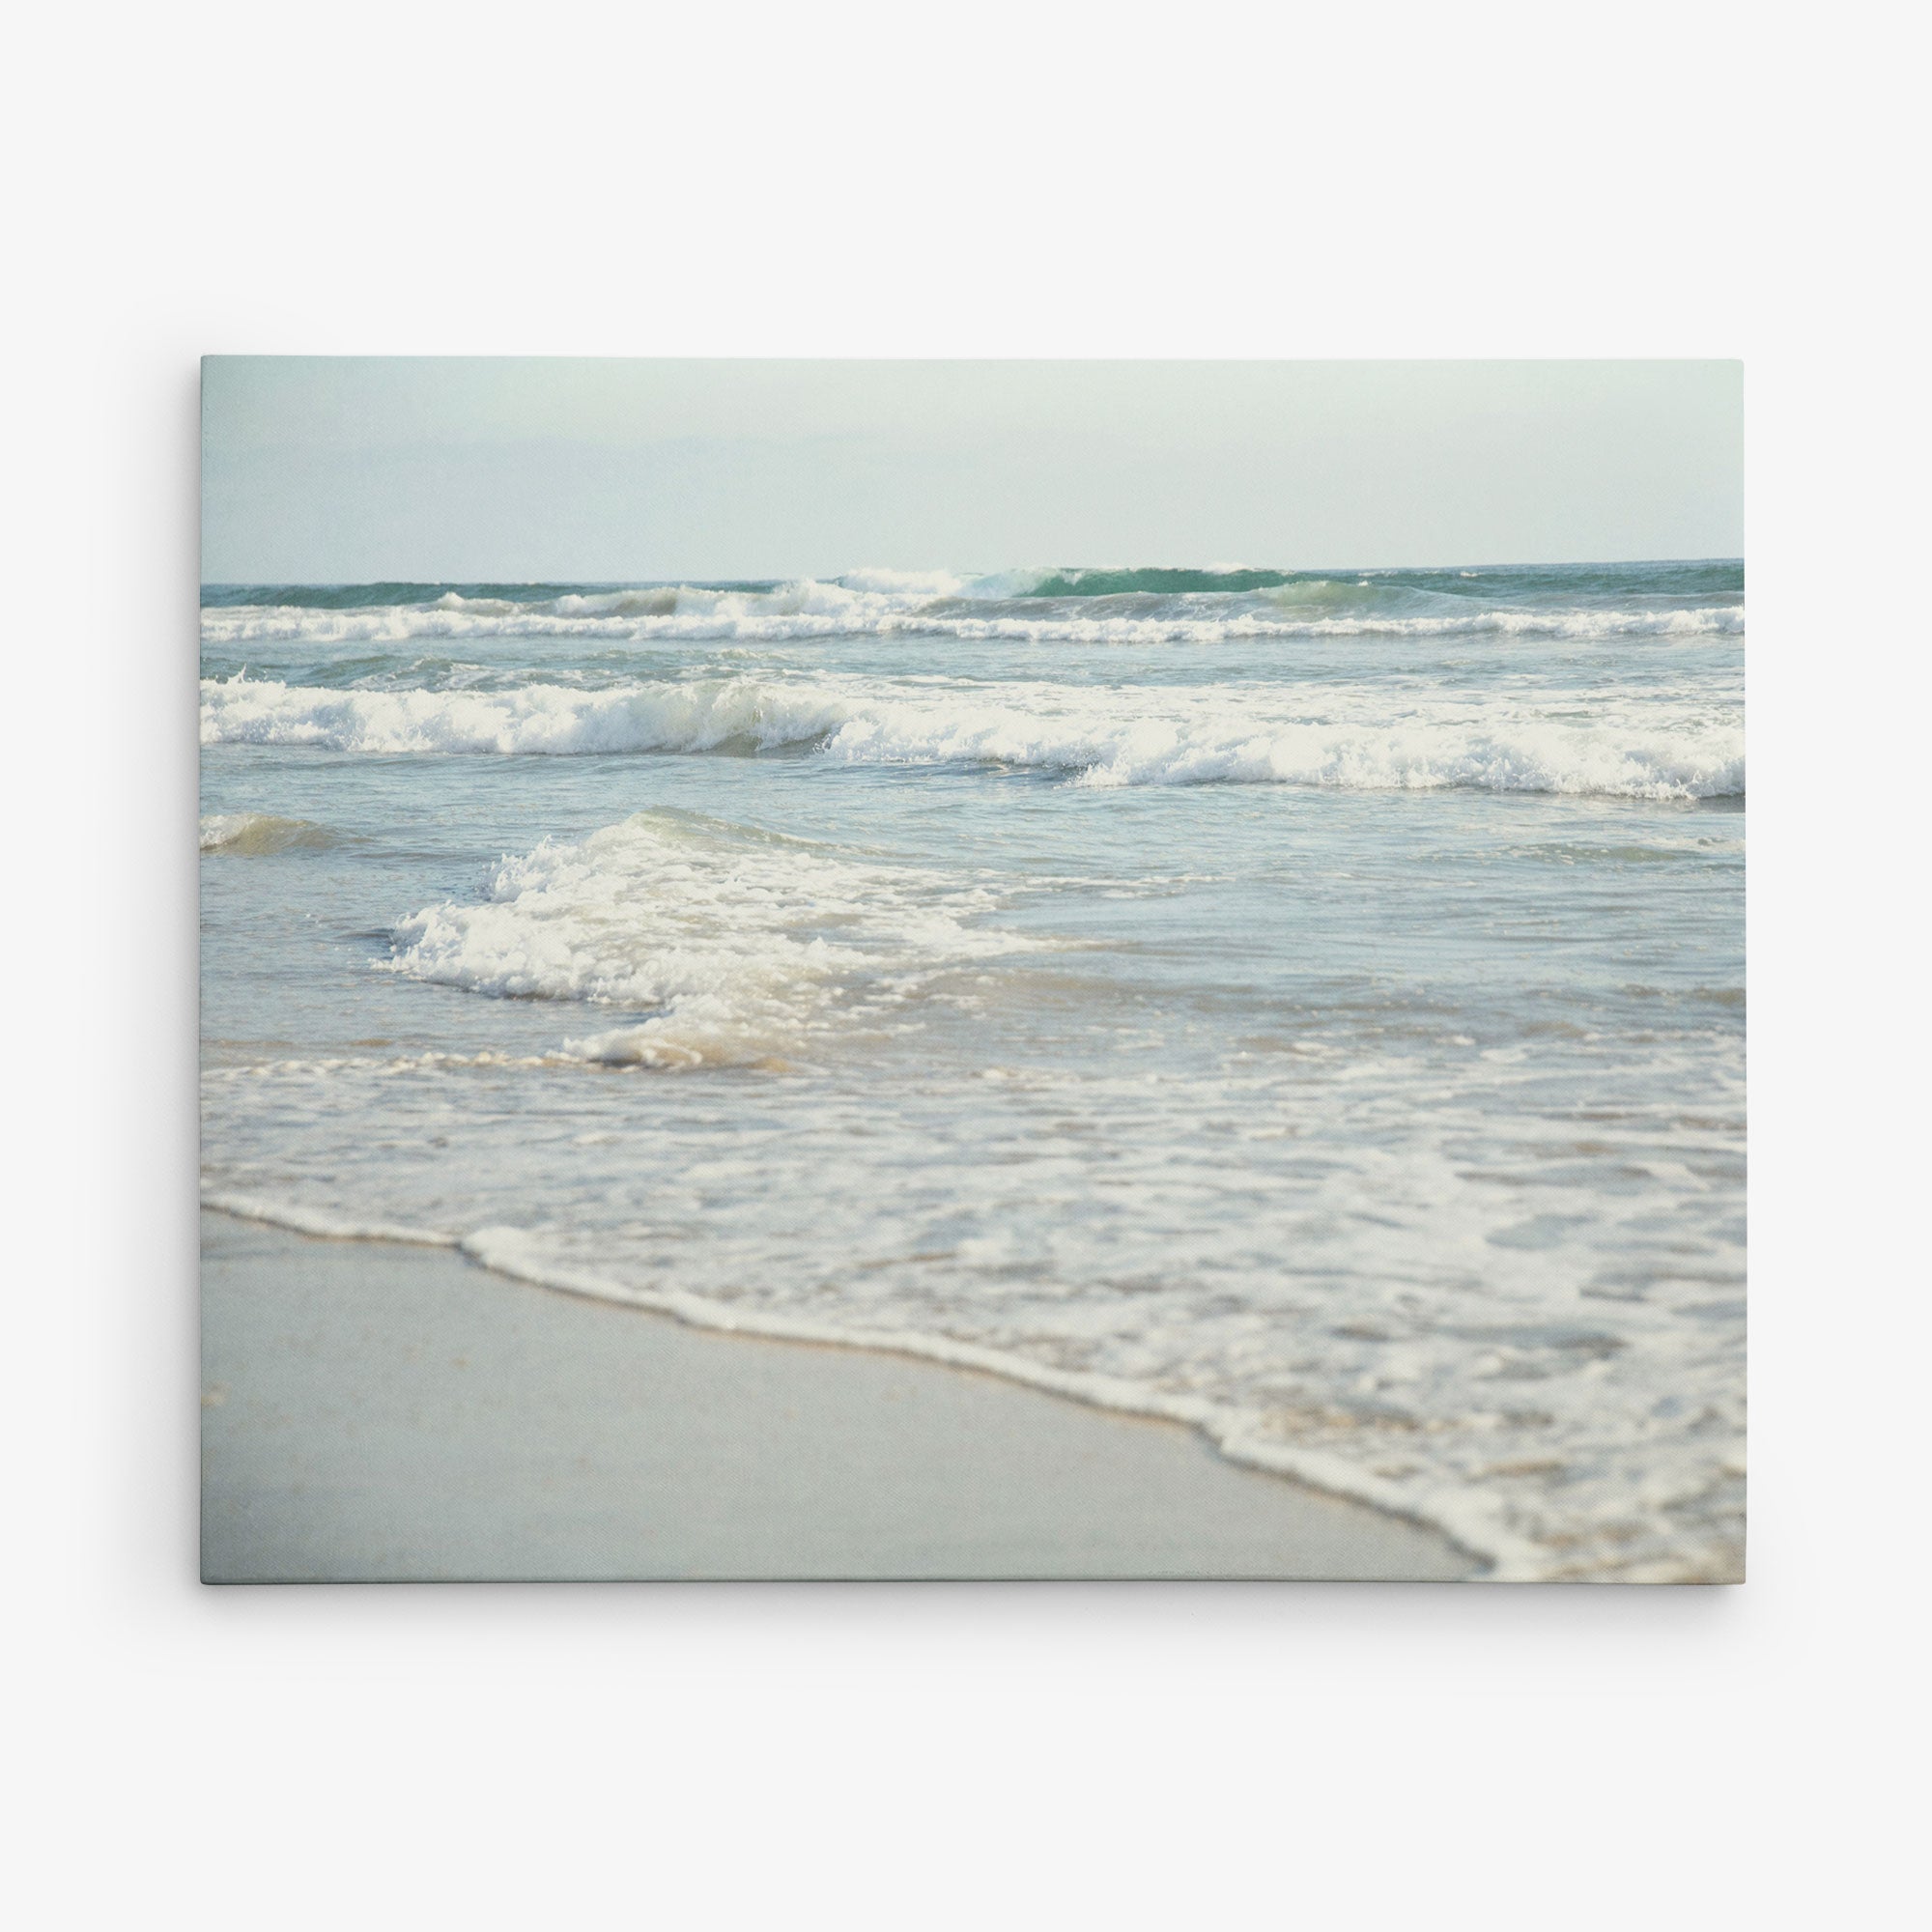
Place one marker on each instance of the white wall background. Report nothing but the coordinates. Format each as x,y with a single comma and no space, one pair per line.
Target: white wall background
1039,179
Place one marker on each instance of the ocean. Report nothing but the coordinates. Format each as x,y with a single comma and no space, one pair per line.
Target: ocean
1308,1005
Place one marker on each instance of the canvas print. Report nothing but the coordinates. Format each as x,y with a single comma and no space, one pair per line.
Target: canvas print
894,969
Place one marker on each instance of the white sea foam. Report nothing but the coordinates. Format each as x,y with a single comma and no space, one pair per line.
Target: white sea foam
1114,736
320,1223
732,946
919,585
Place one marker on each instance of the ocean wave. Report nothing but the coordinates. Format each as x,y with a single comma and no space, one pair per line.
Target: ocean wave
320,1224
1117,736
703,715
253,835
1130,606
732,946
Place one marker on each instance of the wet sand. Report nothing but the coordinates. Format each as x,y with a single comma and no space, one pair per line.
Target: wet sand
373,1412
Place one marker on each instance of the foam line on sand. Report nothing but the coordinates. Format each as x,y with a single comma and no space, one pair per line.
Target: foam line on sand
386,1413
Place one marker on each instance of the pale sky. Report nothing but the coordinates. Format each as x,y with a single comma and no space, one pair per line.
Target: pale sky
321,469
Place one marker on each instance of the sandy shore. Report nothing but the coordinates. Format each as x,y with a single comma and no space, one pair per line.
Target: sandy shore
375,1411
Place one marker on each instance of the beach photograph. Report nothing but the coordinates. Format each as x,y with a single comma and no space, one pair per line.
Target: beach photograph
890,1039
892,969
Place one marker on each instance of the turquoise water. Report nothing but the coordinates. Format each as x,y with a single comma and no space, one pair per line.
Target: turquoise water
1312,1006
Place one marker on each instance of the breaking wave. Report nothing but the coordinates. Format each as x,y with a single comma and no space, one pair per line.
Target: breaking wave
730,946
1116,737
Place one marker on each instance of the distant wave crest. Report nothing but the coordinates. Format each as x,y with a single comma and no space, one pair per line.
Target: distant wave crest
1124,607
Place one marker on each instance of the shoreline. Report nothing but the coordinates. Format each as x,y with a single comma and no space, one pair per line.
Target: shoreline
381,1410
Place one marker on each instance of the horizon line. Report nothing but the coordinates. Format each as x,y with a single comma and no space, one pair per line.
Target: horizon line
796,577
